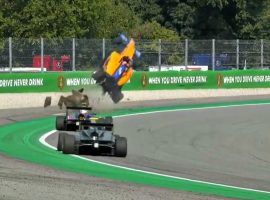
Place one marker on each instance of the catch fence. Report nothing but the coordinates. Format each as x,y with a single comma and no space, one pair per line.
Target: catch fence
87,54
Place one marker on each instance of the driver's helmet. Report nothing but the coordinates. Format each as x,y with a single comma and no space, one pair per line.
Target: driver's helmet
126,59
83,111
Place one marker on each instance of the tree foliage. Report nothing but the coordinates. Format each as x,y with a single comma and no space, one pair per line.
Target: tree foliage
62,18
263,25
226,19
153,30
146,10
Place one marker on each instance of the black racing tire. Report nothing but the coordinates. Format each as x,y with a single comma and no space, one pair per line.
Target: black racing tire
69,144
60,124
121,147
116,96
60,141
105,120
99,76
109,120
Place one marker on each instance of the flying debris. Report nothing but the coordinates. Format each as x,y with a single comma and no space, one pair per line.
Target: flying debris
77,99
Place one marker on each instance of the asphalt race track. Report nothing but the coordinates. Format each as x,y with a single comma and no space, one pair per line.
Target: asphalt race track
224,145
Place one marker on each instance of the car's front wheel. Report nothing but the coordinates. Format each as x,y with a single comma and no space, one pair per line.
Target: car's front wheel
99,76
60,123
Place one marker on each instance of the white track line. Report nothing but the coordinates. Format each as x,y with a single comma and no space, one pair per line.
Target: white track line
42,140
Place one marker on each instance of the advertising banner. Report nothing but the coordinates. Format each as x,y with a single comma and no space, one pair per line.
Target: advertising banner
168,80
244,79
171,80
44,82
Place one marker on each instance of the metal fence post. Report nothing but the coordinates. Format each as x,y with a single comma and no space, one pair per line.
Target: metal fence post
159,54
213,55
73,54
186,53
10,53
42,54
103,48
262,53
237,53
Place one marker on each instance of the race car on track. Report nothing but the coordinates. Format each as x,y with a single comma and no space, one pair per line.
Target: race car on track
83,132
74,115
116,70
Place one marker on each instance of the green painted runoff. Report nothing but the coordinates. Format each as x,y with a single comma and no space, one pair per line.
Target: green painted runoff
21,140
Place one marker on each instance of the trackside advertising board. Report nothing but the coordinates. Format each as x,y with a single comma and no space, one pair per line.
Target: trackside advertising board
66,81
44,82
199,80
170,80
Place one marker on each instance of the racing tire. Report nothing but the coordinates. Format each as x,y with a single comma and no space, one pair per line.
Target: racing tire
109,120
121,147
105,120
69,144
116,96
98,76
60,123
60,141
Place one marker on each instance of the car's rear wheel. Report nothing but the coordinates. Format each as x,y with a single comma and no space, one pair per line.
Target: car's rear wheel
105,120
69,144
121,147
109,119
116,95
60,123
98,76
60,141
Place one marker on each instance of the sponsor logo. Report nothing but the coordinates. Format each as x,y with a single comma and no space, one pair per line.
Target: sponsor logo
219,80
60,82
144,80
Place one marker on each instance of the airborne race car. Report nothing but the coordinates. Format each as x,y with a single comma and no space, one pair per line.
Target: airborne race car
116,70
82,131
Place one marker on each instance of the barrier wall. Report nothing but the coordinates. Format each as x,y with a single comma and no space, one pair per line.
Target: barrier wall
65,81
199,80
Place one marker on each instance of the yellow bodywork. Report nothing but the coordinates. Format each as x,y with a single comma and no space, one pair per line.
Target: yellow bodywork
114,60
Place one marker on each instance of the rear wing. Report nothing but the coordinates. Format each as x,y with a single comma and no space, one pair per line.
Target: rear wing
79,108
88,123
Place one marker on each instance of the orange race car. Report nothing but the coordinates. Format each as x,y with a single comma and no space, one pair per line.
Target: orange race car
117,70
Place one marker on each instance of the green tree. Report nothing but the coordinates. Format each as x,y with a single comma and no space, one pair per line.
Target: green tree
212,20
204,19
153,30
179,16
262,24
146,10
251,18
109,18
147,36
194,19
62,18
